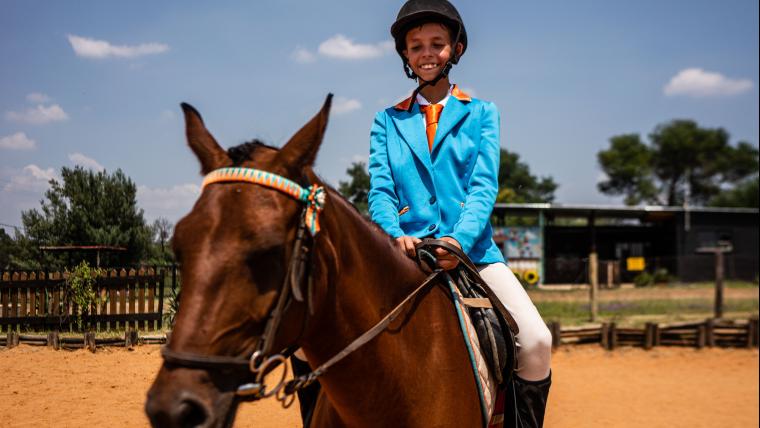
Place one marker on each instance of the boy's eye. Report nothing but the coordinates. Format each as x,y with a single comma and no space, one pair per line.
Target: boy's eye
415,48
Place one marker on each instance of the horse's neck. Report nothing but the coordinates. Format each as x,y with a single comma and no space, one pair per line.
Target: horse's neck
370,278
372,275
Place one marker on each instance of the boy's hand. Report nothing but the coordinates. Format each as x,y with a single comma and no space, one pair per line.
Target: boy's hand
446,260
406,245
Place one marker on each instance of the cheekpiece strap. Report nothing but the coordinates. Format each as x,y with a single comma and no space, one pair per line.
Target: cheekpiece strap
313,196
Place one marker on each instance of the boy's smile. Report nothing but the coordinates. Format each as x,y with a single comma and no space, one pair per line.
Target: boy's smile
428,48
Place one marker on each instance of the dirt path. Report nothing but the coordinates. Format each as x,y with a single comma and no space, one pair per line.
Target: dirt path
665,387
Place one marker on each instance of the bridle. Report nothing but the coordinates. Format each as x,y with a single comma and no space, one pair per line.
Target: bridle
263,360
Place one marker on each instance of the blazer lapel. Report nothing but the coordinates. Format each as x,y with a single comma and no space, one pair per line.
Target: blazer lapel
454,112
411,128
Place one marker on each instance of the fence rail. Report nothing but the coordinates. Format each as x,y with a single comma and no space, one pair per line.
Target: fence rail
711,332
37,301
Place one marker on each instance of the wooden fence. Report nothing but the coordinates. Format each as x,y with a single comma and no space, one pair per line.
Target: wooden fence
36,301
711,332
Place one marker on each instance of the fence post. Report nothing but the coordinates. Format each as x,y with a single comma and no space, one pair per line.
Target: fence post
752,328
556,331
89,341
53,340
604,334
613,336
610,274
649,334
12,339
593,273
701,336
161,295
710,332
130,339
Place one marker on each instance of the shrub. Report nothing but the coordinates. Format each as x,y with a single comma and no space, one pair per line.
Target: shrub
643,279
80,289
661,276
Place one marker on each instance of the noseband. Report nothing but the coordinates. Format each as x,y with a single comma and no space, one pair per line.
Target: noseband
262,361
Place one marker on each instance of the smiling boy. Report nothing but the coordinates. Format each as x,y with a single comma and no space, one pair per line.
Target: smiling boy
433,165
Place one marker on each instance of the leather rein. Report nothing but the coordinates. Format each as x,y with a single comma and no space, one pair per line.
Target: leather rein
263,360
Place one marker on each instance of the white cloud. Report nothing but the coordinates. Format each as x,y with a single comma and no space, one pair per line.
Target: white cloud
170,202
342,105
696,82
92,48
31,179
341,47
303,55
37,98
17,141
38,115
86,162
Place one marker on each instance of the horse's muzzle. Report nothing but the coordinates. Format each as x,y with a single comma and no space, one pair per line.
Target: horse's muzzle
182,398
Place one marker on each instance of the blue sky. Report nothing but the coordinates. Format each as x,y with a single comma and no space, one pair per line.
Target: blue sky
99,83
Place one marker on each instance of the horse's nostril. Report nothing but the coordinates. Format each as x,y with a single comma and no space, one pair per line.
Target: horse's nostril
190,413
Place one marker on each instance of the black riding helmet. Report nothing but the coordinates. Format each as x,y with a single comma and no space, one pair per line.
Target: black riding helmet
417,12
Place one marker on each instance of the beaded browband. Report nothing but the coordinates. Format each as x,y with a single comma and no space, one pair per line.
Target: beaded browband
313,196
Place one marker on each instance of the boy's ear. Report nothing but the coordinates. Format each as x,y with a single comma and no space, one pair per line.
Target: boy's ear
459,48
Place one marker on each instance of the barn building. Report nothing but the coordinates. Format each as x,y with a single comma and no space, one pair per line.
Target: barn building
552,243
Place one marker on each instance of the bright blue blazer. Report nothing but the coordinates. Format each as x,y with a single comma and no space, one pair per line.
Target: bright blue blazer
447,192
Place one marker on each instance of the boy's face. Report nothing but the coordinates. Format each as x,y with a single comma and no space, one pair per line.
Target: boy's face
428,47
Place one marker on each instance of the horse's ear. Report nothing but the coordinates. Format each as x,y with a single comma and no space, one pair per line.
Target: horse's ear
203,144
302,148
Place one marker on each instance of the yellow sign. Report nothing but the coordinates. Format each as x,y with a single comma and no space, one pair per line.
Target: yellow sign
635,263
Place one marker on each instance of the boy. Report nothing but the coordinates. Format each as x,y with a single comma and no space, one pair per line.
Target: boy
433,167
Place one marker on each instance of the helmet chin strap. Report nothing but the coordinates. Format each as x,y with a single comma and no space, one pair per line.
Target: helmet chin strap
444,72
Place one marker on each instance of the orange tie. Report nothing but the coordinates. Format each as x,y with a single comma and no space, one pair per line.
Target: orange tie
432,114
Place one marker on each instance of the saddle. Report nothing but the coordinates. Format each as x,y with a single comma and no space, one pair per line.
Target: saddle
496,328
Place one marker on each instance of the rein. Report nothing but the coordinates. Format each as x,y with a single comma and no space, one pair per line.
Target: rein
262,360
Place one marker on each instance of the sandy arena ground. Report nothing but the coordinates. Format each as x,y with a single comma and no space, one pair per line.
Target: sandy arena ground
665,387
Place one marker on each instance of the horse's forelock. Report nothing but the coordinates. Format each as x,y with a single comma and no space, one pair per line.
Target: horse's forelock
244,152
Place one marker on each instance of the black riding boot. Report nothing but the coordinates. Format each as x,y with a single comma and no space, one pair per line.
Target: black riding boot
307,397
530,400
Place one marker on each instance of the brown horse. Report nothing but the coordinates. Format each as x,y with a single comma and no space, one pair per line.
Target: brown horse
234,248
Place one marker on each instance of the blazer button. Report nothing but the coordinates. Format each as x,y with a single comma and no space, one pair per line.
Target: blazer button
432,200
431,227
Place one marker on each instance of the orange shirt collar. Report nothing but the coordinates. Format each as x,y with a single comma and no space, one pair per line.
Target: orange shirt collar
455,92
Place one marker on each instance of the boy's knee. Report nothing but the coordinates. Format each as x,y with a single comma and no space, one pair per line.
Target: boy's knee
537,341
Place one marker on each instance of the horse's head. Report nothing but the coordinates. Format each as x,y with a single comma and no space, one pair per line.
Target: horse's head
234,248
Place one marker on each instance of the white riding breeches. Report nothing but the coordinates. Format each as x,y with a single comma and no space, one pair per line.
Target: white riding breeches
534,342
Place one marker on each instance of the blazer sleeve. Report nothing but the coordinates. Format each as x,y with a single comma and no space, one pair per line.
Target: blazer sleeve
382,198
483,184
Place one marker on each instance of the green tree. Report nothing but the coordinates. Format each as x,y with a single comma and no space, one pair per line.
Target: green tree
357,188
518,185
161,234
745,194
683,160
86,208
6,249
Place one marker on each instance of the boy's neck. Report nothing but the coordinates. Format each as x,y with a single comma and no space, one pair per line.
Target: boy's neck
436,93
